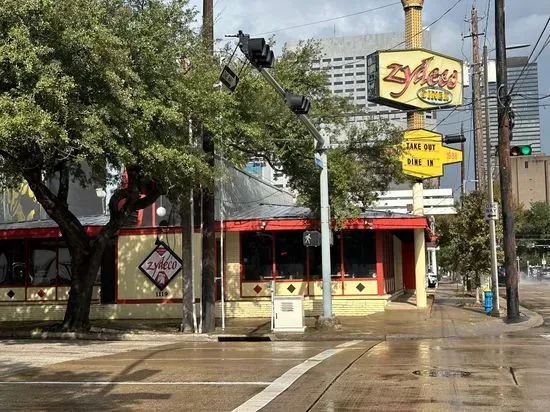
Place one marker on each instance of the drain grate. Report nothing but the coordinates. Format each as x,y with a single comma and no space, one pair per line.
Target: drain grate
442,373
244,339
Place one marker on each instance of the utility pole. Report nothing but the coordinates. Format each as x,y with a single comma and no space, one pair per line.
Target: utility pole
462,171
503,111
415,120
492,231
208,197
476,107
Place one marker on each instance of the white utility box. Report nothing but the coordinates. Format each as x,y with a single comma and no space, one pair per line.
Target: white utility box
288,314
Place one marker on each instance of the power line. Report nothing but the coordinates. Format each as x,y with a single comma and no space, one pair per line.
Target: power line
327,20
530,55
431,24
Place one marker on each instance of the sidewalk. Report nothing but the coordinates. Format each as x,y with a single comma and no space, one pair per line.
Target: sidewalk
450,313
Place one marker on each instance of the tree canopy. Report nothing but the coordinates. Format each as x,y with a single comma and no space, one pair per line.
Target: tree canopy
124,84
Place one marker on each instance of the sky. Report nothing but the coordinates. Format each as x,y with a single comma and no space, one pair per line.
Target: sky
304,19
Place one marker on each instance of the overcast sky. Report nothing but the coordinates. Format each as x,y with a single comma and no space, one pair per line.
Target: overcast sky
525,19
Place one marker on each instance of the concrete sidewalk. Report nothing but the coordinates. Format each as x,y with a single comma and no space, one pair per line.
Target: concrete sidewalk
450,313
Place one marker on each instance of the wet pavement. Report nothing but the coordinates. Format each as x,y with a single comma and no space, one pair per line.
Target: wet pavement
451,357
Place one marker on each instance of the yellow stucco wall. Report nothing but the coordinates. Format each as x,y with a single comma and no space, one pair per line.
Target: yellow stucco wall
132,283
133,286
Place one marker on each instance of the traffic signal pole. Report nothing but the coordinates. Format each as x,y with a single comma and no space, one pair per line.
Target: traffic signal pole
503,105
322,146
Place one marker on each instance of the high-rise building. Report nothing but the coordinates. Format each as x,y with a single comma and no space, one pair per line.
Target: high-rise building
523,83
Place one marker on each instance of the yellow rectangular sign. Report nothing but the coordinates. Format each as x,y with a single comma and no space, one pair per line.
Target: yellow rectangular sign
414,79
424,154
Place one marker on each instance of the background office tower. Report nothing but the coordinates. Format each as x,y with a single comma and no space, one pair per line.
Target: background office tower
523,77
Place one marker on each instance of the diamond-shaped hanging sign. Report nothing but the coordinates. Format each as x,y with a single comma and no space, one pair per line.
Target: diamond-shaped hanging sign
162,265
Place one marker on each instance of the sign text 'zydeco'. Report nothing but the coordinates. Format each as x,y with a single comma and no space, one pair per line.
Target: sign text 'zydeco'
162,265
414,79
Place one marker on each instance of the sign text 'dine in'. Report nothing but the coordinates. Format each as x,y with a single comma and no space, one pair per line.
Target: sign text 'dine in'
424,154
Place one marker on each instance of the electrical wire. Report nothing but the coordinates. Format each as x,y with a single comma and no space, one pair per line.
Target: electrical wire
530,55
431,24
327,20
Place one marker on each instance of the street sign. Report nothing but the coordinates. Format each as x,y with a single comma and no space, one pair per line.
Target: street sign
491,211
318,160
229,78
312,238
424,154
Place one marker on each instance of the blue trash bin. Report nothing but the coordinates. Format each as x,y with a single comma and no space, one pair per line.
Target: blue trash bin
488,301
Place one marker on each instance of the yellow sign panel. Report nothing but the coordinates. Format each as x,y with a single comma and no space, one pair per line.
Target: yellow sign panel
424,155
417,78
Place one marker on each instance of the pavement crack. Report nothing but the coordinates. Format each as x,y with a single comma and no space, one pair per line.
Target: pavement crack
513,373
340,374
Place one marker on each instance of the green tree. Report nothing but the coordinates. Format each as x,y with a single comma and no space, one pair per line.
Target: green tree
101,82
258,123
464,239
533,232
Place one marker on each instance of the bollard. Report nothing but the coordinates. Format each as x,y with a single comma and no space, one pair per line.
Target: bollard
488,300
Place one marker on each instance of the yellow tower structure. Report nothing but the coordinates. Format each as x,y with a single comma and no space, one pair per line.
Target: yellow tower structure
415,120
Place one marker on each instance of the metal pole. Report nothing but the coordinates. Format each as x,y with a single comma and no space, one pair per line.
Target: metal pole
503,104
325,209
222,263
492,231
325,238
415,120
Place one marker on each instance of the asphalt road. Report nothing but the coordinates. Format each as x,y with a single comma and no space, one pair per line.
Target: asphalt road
504,373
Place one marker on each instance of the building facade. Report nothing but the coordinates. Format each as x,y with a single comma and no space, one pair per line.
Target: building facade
531,179
259,249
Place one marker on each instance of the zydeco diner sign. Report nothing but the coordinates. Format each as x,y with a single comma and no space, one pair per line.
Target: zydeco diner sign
162,265
414,79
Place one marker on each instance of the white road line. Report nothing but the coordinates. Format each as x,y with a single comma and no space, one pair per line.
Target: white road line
280,384
104,383
156,360
348,344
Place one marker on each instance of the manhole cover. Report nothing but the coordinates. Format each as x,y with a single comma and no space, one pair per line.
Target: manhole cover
442,373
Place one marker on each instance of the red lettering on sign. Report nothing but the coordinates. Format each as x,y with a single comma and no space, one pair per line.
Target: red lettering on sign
420,75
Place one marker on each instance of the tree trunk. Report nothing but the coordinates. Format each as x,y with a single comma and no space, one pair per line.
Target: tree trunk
208,245
77,314
187,228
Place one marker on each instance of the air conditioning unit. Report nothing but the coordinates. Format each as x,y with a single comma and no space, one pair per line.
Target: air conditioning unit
288,314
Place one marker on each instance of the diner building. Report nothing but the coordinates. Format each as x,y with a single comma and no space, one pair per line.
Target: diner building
259,249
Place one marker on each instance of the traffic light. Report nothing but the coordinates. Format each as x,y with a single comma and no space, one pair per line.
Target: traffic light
257,51
524,150
298,104
454,138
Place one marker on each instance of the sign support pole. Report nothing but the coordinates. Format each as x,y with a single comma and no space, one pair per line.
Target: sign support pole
415,120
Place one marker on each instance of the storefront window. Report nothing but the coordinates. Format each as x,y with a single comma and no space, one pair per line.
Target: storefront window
64,267
315,262
12,263
43,267
257,255
290,255
360,254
